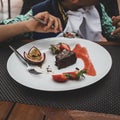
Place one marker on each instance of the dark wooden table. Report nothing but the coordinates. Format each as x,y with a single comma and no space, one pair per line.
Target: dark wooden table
18,111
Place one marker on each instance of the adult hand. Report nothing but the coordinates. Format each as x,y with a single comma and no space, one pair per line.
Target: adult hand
53,24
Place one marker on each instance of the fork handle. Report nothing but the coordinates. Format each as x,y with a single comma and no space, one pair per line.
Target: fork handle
18,55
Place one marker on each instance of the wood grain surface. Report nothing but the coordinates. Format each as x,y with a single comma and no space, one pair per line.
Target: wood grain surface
18,111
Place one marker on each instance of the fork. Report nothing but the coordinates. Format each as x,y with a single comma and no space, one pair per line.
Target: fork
21,58
40,21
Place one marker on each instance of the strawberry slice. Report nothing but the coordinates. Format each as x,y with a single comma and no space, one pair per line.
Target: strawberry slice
64,46
59,78
74,75
71,75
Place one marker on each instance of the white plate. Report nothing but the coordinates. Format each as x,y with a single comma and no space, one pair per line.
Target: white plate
100,58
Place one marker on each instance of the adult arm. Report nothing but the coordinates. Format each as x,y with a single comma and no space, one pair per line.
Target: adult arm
31,25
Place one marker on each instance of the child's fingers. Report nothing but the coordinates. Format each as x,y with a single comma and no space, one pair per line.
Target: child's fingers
49,26
57,25
115,20
118,24
116,31
60,25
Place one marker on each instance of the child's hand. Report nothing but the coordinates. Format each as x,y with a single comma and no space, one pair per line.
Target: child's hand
116,23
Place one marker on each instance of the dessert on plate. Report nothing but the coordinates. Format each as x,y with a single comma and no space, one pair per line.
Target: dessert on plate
34,56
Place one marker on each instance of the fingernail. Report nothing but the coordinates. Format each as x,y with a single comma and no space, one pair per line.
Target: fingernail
112,33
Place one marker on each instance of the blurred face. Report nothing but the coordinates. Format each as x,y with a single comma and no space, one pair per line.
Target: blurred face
76,4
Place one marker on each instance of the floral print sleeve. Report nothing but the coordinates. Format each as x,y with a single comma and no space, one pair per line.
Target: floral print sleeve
107,26
19,18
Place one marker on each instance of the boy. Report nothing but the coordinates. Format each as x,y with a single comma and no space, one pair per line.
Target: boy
59,8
